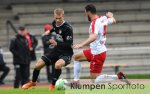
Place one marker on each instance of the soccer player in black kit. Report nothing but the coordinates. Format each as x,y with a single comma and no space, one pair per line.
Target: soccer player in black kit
61,54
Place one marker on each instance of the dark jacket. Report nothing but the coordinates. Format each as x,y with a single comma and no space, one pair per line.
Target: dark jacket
65,31
20,50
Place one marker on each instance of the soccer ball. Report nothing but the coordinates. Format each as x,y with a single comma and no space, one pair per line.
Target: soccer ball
61,84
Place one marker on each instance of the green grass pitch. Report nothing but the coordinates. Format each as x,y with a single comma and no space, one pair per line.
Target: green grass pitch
44,90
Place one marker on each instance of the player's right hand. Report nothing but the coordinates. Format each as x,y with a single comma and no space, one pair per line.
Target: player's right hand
47,32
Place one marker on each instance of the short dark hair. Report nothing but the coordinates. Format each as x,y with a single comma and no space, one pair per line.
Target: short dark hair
21,28
90,8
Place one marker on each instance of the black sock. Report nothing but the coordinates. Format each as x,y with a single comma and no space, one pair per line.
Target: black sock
56,74
35,75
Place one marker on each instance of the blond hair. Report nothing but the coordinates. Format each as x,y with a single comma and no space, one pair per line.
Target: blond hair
59,11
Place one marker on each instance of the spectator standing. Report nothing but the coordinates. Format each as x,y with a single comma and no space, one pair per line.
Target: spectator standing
22,47
3,68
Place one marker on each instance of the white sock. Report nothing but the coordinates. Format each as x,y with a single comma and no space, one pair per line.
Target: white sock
77,70
105,78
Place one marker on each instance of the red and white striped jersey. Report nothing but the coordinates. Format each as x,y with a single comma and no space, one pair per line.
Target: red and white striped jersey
98,26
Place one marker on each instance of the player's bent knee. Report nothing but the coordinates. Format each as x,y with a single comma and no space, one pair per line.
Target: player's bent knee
76,57
79,56
40,64
59,64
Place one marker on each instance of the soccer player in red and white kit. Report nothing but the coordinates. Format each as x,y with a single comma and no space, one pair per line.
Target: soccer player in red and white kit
96,54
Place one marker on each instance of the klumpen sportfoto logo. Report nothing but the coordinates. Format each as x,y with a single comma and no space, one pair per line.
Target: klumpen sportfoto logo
109,86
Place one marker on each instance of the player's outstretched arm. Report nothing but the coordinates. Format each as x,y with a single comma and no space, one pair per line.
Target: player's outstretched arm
87,42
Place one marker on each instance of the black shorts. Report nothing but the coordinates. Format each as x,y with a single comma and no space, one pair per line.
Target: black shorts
50,59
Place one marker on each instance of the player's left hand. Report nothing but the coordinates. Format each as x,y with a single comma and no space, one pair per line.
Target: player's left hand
109,14
53,42
76,46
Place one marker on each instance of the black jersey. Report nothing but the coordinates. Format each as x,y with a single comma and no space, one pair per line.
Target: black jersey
65,32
